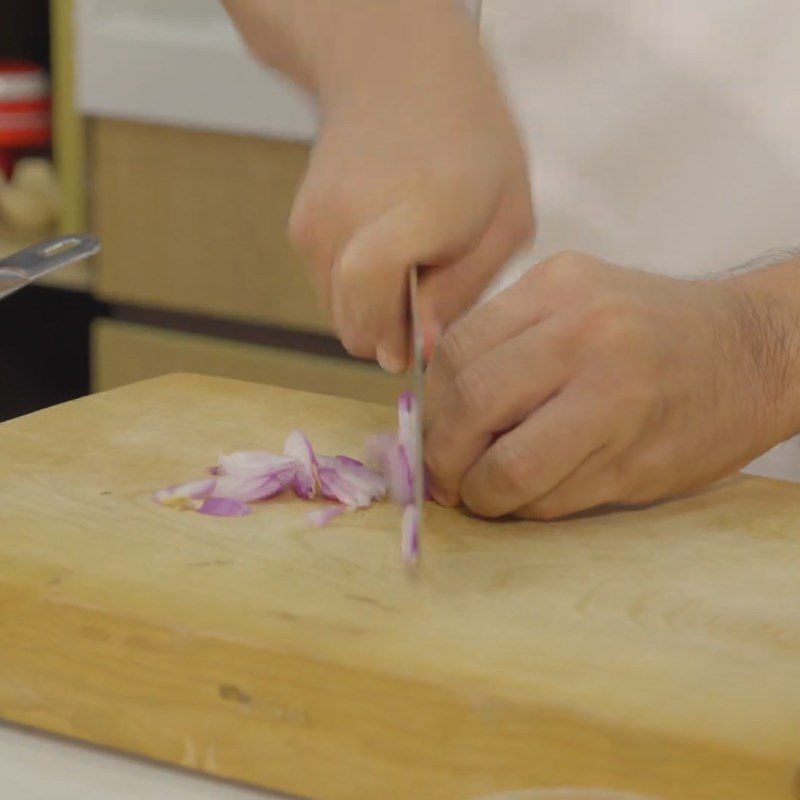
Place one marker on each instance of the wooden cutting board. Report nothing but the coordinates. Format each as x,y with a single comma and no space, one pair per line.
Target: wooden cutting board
655,652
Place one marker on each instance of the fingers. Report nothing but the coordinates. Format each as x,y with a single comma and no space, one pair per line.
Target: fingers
369,293
360,266
484,328
532,459
446,293
490,395
598,481
370,283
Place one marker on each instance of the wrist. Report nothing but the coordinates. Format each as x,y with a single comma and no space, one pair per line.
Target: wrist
376,51
328,45
766,311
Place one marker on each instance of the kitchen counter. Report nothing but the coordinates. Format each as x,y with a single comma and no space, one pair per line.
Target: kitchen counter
79,772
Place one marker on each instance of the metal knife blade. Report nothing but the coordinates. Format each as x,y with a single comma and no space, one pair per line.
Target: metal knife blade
27,265
417,341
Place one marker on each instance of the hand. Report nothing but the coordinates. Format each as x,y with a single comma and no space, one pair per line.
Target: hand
418,162
587,384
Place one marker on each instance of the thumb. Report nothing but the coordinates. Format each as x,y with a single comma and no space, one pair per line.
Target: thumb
448,292
370,283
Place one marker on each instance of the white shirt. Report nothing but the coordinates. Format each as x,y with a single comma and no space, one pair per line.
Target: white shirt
663,135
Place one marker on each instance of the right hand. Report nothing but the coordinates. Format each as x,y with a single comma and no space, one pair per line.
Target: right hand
418,162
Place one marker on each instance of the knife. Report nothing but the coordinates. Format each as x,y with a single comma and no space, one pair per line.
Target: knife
413,520
418,467
27,265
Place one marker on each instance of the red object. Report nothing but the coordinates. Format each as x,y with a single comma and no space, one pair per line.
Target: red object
25,124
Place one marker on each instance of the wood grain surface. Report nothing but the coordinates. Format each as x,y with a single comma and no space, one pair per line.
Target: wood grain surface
655,652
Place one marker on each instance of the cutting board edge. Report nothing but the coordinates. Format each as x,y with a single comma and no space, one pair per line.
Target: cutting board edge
90,633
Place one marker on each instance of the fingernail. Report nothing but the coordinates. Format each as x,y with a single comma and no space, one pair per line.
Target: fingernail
388,361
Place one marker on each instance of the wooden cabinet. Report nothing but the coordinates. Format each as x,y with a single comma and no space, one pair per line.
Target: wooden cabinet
193,225
124,353
195,221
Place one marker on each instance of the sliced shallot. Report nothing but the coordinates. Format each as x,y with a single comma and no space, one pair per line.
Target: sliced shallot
253,475
258,461
320,517
225,507
251,487
306,479
185,495
409,544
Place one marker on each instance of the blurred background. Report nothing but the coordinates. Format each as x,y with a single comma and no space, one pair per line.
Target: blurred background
146,123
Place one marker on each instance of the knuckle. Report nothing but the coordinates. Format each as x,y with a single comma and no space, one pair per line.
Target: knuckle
569,259
566,265
509,467
453,349
610,323
473,394
569,268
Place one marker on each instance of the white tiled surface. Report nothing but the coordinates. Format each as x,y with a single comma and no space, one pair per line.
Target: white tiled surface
38,767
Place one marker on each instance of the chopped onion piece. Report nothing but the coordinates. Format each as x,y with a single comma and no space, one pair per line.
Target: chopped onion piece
410,535
347,486
399,478
366,477
349,462
322,516
249,488
255,461
225,507
248,476
185,495
376,447
407,424
306,479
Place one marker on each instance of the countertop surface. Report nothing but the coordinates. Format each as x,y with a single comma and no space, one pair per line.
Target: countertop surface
35,766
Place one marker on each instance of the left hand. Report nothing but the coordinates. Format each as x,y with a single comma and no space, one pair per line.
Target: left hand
586,384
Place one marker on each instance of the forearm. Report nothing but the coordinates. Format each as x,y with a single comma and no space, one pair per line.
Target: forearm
327,46
770,315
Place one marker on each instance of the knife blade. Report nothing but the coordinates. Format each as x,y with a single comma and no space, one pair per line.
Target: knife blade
27,265
417,344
